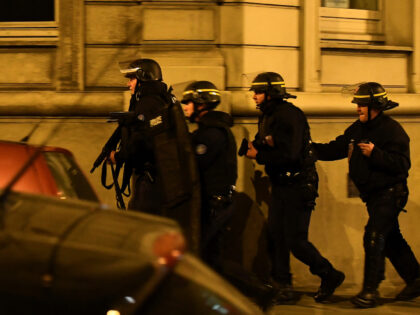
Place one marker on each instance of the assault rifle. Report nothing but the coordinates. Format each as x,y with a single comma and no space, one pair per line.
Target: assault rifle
123,119
110,145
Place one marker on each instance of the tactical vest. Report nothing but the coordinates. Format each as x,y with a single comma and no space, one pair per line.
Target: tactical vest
223,174
306,170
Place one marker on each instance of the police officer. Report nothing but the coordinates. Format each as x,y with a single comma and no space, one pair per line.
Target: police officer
148,97
282,145
215,150
379,159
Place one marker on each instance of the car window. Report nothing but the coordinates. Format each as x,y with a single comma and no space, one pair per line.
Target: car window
71,182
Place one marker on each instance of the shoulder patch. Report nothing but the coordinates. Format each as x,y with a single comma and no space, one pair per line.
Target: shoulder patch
201,149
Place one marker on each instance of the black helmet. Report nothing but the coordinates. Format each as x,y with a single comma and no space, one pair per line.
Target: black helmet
202,92
143,70
372,94
271,84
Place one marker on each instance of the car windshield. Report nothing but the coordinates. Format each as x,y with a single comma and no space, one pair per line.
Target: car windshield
71,183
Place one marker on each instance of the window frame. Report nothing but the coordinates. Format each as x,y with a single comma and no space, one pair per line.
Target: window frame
23,32
378,5
352,25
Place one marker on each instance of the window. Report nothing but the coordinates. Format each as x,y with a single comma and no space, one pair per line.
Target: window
27,11
351,4
351,22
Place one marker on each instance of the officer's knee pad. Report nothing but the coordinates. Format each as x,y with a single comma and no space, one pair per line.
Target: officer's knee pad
373,240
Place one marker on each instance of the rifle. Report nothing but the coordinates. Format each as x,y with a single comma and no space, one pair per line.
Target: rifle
110,145
123,119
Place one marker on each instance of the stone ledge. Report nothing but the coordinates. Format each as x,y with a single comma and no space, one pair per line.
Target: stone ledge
52,103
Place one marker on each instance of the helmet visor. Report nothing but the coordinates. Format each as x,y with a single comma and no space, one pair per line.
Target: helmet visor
126,69
179,88
248,78
349,91
262,86
201,96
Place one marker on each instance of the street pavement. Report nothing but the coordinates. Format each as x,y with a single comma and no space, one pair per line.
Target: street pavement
340,304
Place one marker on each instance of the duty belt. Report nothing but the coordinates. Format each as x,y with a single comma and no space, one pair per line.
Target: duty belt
224,198
287,177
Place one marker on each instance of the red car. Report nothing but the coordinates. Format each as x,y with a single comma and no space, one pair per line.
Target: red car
53,173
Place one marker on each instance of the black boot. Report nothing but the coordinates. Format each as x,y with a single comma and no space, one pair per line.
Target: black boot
366,298
373,273
284,295
261,291
411,291
263,294
329,282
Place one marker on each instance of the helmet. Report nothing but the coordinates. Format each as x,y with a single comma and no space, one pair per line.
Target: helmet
271,84
143,70
202,92
372,94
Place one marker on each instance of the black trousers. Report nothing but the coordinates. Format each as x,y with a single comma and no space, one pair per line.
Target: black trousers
214,218
384,208
288,224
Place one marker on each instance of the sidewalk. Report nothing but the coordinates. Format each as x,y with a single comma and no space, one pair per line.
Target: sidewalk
340,304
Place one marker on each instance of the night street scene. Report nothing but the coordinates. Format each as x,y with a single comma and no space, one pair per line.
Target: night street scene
209,157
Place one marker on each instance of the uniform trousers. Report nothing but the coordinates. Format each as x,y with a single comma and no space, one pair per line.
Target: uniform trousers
288,223
384,208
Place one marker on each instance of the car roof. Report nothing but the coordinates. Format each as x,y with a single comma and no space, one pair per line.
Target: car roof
37,179
6,144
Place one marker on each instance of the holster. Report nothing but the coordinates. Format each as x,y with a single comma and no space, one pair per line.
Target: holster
309,187
400,192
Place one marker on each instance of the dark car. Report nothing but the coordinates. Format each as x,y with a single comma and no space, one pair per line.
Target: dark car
77,257
80,257
53,173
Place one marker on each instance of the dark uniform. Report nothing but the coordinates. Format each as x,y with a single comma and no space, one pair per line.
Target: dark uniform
156,149
283,144
215,150
382,183
136,150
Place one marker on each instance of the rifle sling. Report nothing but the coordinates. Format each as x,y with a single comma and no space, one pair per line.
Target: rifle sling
118,194
103,176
